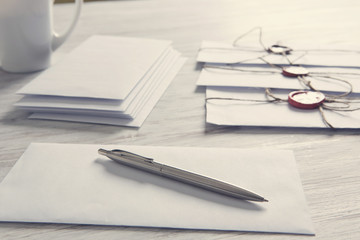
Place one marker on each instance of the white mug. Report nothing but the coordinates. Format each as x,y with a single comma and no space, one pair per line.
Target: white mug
27,39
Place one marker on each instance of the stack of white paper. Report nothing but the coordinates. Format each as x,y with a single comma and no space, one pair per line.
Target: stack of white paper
236,79
107,80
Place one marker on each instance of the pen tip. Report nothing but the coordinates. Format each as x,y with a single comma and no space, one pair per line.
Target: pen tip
102,151
265,200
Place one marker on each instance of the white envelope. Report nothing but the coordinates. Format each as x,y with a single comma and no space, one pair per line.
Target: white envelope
127,108
269,77
106,67
220,52
70,183
248,113
149,102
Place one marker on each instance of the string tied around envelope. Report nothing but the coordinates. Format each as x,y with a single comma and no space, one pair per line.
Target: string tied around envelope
302,74
304,100
279,49
298,72
275,49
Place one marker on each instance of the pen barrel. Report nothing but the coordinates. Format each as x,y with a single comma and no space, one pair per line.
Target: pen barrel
184,176
209,184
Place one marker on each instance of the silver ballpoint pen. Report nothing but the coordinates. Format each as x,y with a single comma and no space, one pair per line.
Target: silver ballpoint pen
148,164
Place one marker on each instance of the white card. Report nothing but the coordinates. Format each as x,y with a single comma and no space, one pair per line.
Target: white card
71,183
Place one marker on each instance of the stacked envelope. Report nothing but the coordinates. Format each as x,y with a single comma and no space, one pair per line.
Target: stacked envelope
106,80
237,78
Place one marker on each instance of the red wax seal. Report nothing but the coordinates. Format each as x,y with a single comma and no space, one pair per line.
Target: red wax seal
279,49
294,71
306,99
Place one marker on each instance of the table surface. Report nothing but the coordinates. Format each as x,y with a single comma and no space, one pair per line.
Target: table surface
328,160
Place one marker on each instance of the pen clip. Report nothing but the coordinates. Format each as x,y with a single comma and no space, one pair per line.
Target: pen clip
131,156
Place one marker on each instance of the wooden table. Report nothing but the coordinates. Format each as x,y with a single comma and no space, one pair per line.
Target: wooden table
328,160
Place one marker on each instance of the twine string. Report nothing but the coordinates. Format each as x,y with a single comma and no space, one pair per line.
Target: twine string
247,33
323,117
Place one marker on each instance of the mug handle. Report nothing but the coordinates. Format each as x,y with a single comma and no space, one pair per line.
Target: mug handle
59,39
